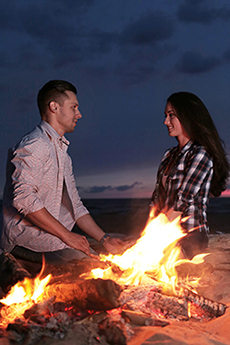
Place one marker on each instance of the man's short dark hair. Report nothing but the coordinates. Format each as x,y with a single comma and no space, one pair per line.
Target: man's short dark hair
54,90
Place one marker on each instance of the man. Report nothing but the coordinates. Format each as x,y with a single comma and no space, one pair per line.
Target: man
41,203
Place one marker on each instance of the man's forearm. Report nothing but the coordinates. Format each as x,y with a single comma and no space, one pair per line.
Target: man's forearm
89,226
45,221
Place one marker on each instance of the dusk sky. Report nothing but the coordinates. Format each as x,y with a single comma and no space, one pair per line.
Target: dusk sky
125,58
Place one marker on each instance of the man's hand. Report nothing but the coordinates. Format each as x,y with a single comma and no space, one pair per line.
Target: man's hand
77,242
172,215
115,245
45,221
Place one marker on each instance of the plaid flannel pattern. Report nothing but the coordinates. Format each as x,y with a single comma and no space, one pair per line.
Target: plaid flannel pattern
187,186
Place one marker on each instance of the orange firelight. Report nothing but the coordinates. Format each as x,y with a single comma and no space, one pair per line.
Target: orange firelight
21,297
155,252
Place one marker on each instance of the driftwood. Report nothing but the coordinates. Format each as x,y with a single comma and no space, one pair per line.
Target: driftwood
215,309
148,300
114,329
92,294
142,319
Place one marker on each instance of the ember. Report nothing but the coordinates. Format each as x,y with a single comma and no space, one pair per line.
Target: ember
21,297
139,287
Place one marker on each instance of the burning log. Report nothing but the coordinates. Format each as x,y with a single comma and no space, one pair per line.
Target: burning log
93,294
215,309
115,330
11,272
142,319
39,309
149,300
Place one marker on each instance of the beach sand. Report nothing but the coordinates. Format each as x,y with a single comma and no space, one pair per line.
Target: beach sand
216,284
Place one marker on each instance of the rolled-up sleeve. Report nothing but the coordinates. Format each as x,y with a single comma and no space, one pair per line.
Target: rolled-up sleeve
78,208
26,178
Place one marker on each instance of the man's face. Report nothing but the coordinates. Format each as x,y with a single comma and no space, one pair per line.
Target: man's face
67,114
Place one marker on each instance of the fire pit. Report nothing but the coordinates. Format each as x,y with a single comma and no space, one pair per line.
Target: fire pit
104,300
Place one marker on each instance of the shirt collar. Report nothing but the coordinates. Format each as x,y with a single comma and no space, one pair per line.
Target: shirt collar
53,134
186,146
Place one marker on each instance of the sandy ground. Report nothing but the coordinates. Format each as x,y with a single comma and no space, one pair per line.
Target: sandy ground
216,285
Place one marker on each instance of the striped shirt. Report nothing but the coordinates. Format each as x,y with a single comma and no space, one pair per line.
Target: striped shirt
39,174
186,188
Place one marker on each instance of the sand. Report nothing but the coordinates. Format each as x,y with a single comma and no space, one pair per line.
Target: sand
216,285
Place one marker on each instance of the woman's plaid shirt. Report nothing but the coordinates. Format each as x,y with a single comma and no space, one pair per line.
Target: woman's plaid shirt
187,186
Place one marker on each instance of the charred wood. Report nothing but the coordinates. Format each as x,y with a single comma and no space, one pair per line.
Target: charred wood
39,309
142,319
11,272
214,308
150,301
72,270
115,330
92,294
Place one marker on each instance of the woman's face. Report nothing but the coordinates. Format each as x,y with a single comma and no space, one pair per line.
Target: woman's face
174,126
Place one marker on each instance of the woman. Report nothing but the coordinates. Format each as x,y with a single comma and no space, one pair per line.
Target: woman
190,172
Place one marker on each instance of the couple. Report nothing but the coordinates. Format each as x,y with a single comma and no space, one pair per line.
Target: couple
41,204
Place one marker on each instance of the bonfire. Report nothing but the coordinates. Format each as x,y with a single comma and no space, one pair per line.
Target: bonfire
141,283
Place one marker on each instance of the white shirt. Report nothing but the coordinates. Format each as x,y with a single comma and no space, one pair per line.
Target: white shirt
39,174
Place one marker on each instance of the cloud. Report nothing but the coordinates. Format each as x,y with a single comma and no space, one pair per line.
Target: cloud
41,30
101,189
148,29
96,189
141,44
199,11
127,187
226,55
196,63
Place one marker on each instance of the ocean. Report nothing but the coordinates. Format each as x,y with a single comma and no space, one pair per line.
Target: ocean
218,210
121,206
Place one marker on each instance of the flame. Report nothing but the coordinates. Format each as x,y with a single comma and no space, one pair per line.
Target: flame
21,297
155,252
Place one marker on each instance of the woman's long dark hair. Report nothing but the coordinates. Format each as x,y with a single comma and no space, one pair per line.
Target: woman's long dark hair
198,124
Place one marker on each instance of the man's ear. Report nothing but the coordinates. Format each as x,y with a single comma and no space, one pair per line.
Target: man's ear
53,106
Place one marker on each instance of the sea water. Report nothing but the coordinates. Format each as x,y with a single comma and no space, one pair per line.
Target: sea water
217,206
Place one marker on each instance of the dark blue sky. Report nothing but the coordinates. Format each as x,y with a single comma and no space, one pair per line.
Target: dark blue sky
125,57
